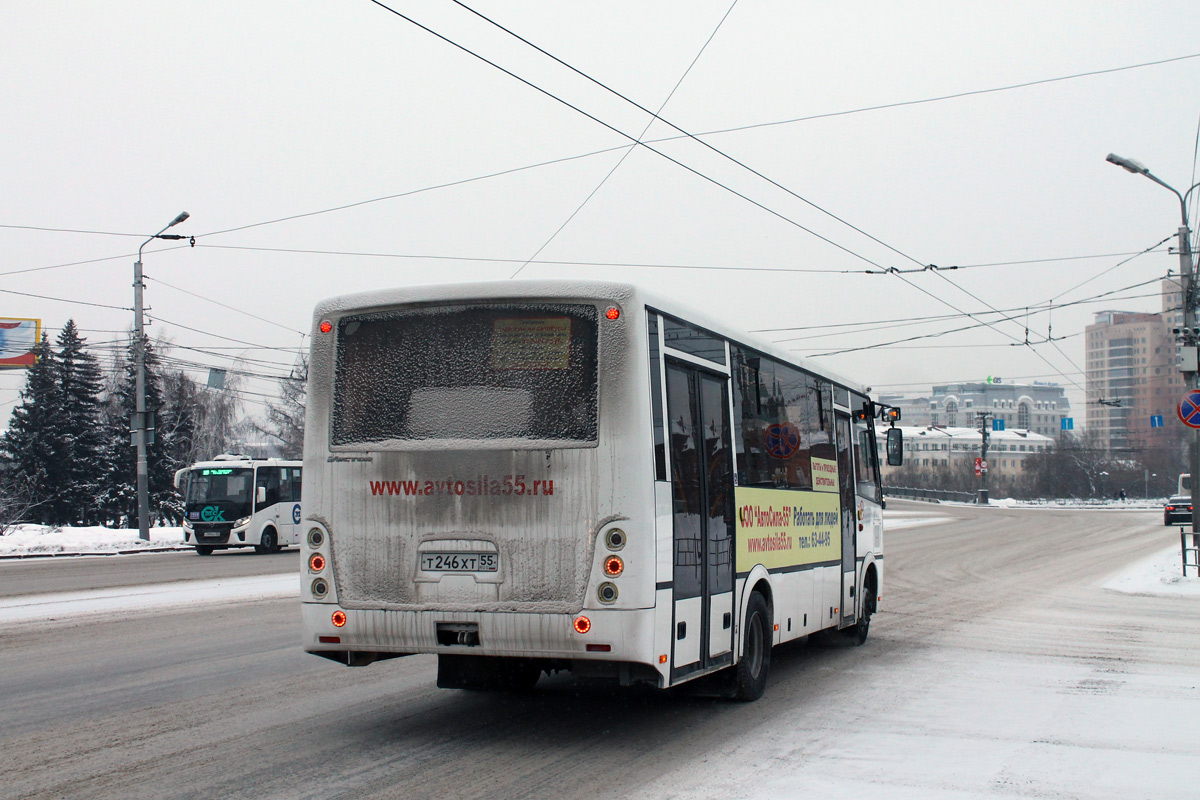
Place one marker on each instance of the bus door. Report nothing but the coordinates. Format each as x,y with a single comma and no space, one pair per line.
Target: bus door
849,521
289,513
266,479
703,527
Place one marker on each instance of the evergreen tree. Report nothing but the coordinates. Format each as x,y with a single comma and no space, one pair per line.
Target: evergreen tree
80,383
119,497
35,445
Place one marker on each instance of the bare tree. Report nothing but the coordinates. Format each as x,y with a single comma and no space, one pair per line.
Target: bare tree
285,419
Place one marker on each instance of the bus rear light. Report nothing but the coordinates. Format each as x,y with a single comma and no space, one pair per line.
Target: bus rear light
329,639
316,538
339,618
326,326
613,566
316,562
607,592
320,588
612,312
599,648
582,624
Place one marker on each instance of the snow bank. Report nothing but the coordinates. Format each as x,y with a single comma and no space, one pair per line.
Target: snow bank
1161,574
44,540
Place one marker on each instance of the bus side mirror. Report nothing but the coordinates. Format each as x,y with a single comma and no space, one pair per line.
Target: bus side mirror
179,477
262,492
895,447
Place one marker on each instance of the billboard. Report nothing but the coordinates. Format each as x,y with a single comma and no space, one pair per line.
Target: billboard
18,337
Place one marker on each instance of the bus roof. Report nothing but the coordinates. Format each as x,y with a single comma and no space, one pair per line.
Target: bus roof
243,461
630,295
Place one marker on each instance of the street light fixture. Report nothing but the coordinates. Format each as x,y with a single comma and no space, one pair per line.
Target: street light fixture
1187,272
141,427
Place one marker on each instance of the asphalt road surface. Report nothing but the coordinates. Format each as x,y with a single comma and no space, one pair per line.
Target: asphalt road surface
220,702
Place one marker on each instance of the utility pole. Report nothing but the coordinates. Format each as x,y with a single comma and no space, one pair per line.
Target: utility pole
1190,335
984,418
141,427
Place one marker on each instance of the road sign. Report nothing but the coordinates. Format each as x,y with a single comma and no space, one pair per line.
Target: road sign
1156,421
1189,409
997,424
1068,424
980,466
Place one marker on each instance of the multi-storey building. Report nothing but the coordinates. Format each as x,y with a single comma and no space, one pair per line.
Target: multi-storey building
933,447
1036,408
1133,376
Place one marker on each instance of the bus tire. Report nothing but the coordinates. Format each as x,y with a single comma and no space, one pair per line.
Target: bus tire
750,674
267,543
857,633
204,550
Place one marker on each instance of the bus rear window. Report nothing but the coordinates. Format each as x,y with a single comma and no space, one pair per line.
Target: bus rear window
521,373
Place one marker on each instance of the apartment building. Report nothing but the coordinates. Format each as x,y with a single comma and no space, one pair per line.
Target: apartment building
1133,376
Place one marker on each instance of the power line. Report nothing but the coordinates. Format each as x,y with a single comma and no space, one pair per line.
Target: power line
616,130
483,259
64,300
225,305
955,96
625,155
686,134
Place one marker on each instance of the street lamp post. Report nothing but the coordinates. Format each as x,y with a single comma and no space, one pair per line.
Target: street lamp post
1187,272
141,428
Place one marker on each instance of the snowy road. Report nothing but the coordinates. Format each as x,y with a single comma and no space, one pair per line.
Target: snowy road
1000,666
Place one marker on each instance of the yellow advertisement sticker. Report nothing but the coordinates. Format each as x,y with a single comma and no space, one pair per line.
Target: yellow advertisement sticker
782,528
824,475
531,343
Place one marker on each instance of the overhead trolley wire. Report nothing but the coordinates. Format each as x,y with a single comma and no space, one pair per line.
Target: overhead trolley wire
618,131
685,134
630,149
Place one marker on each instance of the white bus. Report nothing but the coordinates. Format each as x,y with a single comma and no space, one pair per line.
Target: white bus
535,476
237,501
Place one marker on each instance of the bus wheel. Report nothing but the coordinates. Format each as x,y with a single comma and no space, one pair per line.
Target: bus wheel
750,677
204,550
857,633
267,542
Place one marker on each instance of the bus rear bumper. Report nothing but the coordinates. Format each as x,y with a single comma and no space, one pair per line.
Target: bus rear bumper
609,635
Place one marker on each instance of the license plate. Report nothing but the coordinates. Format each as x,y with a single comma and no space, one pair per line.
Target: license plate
211,534
460,562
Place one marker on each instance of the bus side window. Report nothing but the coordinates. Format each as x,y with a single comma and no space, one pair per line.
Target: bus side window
268,477
289,485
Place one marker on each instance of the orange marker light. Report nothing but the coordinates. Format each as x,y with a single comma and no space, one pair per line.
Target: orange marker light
662,659
339,618
326,326
613,312
317,562
582,624
613,566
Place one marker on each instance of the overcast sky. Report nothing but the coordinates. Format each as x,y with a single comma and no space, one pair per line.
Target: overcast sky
117,116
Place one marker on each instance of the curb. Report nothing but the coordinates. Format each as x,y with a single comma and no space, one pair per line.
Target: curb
136,551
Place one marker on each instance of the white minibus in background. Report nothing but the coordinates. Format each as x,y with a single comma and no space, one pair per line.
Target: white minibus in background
238,501
526,477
